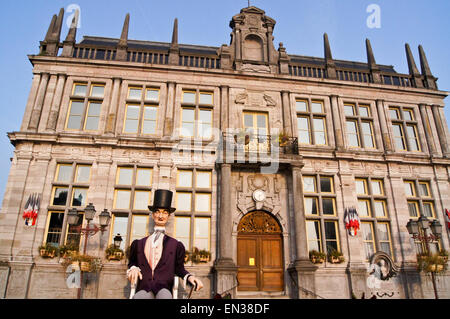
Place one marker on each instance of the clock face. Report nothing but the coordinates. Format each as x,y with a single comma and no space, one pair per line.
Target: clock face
259,195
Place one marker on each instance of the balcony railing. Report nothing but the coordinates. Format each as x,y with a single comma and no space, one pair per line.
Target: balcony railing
244,143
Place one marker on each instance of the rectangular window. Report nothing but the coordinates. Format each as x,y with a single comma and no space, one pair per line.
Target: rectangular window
352,134
139,227
54,228
372,209
311,122
331,237
419,199
384,238
84,110
368,239
193,202
359,125
313,232
132,196
183,230
197,114
201,234
141,116
404,128
119,226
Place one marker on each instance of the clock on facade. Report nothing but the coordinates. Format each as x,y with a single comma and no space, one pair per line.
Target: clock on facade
259,195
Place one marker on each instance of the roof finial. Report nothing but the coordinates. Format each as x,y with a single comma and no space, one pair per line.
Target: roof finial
329,63
175,33
430,80
124,36
413,71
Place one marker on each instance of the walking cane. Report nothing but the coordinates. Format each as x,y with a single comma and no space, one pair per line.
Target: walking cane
192,289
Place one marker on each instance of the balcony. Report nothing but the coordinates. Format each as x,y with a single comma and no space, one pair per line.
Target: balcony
250,147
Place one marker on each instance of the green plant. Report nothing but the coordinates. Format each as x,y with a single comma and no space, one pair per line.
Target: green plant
68,249
317,257
113,252
47,250
283,139
199,256
431,263
335,256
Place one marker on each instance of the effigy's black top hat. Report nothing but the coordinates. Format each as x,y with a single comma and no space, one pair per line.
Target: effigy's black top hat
162,199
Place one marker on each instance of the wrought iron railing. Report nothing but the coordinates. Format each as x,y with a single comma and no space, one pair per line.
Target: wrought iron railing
248,142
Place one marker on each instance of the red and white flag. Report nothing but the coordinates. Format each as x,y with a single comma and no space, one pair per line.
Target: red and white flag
31,209
352,221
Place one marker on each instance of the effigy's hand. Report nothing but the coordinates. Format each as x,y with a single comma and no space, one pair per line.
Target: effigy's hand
197,283
133,274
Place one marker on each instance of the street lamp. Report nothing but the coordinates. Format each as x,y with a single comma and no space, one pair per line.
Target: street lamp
89,214
418,230
117,241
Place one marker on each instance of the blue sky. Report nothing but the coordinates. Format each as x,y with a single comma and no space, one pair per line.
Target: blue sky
300,26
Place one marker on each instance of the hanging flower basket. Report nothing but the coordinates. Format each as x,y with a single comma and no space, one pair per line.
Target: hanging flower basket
435,263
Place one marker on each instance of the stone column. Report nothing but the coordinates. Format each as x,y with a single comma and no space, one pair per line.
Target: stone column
305,269
287,123
337,122
225,268
383,124
170,102
441,130
427,129
112,114
36,112
56,103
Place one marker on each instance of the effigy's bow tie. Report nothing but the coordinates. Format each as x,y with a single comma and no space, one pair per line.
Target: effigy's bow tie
158,233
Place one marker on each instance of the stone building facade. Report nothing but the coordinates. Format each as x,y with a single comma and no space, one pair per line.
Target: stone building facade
265,151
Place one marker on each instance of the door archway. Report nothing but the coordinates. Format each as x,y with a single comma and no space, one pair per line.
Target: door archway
260,253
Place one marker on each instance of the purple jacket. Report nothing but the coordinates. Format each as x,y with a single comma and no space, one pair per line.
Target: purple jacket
170,264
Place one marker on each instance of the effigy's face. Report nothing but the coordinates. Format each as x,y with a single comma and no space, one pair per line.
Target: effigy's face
160,217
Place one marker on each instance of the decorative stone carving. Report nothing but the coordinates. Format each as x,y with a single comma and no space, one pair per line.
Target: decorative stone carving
269,100
259,223
241,98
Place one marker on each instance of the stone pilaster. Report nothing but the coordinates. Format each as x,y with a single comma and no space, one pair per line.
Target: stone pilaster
225,268
304,268
112,114
338,132
37,108
287,123
56,103
427,129
383,125
441,129
170,104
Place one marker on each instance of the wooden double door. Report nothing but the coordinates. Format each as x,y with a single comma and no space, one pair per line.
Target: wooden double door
260,260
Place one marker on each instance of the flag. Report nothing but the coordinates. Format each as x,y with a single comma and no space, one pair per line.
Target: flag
31,209
352,221
447,215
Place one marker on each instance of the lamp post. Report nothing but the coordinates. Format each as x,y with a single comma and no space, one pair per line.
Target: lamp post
117,241
89,214
419,231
